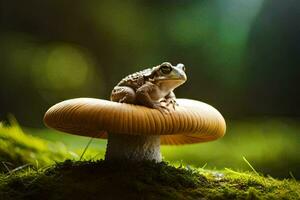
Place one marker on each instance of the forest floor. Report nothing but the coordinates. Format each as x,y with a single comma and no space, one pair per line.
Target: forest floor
147,180
35,168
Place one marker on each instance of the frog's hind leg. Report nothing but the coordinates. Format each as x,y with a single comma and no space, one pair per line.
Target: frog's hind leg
123,94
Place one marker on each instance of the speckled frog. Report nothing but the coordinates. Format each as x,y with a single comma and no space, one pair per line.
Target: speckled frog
152,87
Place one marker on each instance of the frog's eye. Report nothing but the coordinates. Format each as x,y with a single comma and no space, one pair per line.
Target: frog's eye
183,68
165,69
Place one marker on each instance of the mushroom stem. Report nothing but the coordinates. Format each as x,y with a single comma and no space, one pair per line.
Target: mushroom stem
133,147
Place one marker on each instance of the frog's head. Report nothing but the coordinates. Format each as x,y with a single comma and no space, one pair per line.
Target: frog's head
169,74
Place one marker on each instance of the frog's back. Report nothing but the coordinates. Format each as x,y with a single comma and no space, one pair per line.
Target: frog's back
136,80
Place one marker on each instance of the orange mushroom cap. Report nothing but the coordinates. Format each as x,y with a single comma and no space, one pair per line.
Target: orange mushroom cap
191,122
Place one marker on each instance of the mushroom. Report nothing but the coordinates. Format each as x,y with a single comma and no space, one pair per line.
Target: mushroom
135,132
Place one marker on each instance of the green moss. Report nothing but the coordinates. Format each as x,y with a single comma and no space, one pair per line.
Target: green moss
20,149
146,180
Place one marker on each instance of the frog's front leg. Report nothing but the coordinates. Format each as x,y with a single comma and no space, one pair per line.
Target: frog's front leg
123,94
143,97
171,99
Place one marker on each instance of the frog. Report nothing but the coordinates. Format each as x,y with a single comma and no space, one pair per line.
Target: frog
152,87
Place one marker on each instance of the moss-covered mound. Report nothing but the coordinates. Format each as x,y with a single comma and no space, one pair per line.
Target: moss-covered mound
147,180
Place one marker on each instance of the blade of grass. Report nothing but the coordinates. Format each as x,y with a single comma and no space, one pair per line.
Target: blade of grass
248,163
6,167
292,175
204,166
19,168
86,147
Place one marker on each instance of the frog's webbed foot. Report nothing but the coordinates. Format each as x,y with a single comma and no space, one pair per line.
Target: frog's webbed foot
170,101
164,109
123,100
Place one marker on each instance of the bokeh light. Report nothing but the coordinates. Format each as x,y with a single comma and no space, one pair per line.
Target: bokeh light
61,67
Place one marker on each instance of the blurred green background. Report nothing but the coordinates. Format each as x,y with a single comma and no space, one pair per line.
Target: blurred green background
242,57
